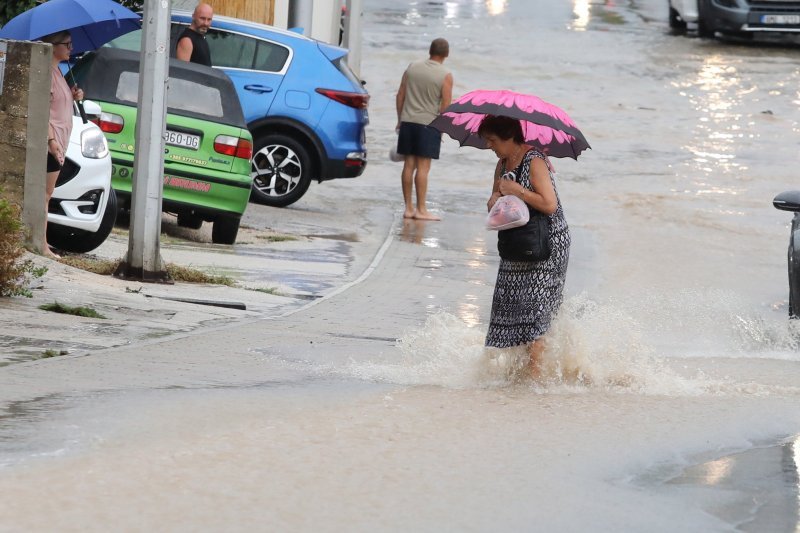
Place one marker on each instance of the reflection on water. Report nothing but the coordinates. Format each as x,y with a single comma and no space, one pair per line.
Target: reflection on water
581,11
718,102
761,477
495,7
413,231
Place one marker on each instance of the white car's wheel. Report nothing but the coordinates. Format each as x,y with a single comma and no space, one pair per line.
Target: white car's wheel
81,241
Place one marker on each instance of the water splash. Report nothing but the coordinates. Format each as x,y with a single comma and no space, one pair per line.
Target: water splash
589,346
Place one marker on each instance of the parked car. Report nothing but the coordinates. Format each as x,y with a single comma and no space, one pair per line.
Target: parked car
303,105
742,18
207,146
83,208
790,201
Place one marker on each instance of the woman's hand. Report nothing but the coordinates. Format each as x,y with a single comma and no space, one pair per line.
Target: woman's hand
508,187
492,200
55,149
77,93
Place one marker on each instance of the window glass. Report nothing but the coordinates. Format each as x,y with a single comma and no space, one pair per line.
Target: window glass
270,57
182,95
231,50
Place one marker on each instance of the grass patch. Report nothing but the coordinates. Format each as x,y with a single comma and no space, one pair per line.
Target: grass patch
56,307
268,290
52,353
95,265
192,275
276,238
106,267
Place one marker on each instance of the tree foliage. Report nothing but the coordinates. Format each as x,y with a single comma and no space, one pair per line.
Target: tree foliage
11,8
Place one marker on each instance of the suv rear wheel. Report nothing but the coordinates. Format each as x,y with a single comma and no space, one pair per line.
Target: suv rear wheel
281,170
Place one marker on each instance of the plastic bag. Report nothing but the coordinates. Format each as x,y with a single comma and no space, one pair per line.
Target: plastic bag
508,212
394,156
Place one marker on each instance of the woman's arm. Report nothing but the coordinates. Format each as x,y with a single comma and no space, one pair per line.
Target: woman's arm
495,187
543,196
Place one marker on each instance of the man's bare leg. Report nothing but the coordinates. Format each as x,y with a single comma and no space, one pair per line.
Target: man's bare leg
407,178
421,184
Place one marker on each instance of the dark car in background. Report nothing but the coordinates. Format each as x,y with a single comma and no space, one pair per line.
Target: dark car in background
207,147
790,201
305,108
742,18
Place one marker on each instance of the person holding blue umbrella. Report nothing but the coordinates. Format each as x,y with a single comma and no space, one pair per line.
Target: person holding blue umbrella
59,127
72,27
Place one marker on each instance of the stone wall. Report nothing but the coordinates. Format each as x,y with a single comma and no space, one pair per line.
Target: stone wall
24,111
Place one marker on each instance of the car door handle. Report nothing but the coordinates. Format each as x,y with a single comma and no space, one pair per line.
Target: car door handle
258,88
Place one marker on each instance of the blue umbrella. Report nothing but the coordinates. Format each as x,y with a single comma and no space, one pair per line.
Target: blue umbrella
92,23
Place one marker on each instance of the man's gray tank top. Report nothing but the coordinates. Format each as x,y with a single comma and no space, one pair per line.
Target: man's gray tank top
424,80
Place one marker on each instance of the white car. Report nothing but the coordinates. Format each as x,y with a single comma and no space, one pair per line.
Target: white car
83,208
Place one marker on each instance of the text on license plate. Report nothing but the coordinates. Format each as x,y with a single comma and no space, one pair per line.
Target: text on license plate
780,19
185,140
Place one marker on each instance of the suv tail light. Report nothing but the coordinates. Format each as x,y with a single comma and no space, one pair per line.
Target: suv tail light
111,123
234,146
357,100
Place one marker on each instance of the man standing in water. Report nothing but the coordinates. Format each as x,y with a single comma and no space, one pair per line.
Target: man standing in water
192,45
425,90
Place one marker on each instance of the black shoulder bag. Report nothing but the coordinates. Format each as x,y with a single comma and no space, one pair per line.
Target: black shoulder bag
530,242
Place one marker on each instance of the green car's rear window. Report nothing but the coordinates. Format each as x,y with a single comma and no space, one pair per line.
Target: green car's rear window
182,95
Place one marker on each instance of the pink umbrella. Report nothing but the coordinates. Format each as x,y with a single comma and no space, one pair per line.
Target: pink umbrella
544,125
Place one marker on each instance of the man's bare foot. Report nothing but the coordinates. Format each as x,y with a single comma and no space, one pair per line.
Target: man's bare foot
409,214
426,216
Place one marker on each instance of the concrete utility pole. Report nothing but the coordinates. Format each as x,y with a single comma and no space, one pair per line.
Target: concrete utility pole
301,14
352,35
143,261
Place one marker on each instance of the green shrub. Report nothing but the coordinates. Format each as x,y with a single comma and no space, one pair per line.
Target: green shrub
15,275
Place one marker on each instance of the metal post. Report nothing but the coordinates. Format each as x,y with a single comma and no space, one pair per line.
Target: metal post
301,15
352,35
143,261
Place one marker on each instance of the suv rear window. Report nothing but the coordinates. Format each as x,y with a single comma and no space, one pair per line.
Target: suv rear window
232,50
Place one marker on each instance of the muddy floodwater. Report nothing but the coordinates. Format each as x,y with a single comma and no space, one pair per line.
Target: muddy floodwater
671,396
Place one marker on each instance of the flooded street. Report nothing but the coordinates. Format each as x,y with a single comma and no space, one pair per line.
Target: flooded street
672,394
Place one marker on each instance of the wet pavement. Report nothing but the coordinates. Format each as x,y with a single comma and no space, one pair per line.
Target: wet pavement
360,397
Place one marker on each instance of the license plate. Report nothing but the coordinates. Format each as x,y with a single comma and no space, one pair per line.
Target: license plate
184,140
780,19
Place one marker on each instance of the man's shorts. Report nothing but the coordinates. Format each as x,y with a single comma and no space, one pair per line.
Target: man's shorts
52,163
419,140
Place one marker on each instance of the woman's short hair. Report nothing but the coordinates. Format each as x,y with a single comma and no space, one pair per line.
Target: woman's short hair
504,127
57,37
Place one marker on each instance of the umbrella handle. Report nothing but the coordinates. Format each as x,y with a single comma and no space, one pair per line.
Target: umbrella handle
82,112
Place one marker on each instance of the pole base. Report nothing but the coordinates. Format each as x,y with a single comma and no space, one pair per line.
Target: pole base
126,271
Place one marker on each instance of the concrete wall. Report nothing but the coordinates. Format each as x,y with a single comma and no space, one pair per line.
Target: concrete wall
24,112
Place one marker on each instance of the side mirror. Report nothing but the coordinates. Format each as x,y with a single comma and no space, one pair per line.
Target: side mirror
92,108
787,201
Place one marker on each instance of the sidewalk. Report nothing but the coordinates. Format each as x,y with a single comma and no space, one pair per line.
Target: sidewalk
272,277
283,341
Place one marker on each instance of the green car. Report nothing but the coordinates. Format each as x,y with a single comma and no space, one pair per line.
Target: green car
207,147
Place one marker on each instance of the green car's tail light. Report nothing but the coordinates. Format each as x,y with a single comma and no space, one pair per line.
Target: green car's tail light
357,100
235,146
111,123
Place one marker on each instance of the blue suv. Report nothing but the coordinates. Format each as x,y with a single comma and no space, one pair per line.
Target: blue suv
303,105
